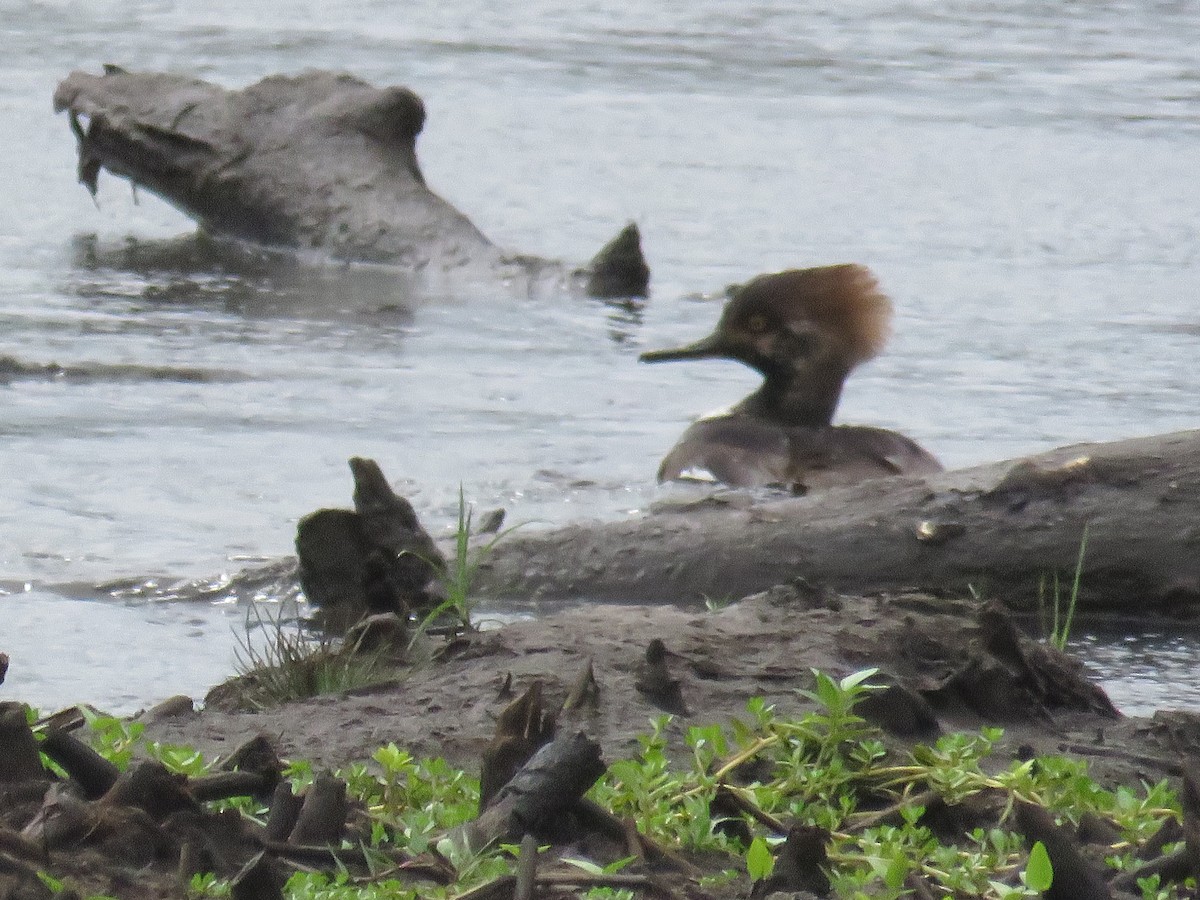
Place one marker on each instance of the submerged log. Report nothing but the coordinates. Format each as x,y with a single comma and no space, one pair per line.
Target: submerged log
317,161
998,529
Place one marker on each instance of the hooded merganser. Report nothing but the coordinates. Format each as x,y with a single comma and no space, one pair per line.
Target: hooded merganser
804,330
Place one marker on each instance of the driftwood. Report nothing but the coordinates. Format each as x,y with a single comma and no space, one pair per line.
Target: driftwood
94,774
322,816
549,784
375,558
523,727
317,161
997,529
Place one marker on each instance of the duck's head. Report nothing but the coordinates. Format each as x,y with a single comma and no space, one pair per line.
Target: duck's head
804,330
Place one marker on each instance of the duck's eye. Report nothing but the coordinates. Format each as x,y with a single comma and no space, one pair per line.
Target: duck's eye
757,323
802,343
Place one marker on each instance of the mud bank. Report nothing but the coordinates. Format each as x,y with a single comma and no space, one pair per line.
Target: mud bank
949,667
764,646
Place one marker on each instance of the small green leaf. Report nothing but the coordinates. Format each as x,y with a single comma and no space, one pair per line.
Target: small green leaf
896,871
1039,873
854,679
585,864
759,861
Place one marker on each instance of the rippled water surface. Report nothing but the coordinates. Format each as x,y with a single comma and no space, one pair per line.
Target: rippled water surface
1020,175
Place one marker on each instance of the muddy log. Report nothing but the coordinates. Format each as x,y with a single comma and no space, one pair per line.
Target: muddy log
998,528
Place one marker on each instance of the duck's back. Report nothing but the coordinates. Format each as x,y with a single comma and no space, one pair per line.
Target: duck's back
743,451
846,454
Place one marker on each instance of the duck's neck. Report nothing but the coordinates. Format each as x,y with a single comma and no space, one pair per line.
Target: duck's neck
793,402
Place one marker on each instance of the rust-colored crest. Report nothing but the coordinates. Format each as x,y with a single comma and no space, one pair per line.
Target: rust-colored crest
844,301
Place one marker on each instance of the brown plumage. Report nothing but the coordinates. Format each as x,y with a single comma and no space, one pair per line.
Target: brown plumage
805,330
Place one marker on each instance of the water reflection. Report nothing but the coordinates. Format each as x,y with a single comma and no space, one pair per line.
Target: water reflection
201,272
625,319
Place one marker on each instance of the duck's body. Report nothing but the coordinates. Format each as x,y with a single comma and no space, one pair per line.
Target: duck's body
742,451
804,330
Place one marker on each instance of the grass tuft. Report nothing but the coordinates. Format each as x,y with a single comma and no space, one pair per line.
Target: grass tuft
459,575
291,665
1058,631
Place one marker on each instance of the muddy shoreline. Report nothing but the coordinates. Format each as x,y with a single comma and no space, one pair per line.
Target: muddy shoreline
766,645
951,661
801,564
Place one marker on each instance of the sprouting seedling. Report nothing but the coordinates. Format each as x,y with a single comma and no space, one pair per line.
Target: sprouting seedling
1060,630
458,576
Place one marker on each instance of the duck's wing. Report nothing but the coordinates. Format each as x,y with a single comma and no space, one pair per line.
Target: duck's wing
735,450
846,454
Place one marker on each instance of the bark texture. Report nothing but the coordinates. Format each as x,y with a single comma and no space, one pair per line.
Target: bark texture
998,529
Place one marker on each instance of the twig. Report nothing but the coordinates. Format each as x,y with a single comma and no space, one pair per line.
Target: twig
526,869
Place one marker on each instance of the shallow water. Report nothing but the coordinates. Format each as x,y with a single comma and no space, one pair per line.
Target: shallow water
1020,175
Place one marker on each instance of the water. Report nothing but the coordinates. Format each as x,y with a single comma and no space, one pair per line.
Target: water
1020,175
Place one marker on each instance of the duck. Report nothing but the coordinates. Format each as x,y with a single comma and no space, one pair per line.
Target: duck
804,331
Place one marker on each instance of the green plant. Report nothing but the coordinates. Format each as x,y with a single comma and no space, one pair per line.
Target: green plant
816,768
113,738
759,861
1058,630
459,574
716,604
1039,873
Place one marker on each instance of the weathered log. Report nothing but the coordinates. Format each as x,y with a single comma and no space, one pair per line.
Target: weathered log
285,810
259,757
800,863
172,707
151,787
998,528
317,161
224,785
523,727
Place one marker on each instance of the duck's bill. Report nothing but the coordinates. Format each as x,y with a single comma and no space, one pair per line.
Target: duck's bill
705,348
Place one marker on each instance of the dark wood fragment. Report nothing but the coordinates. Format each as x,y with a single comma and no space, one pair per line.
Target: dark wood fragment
150,786
19,758
552,782
285,810
527,866
91,771
224,785
257,881
1075,878
521,729
799,863
322,818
